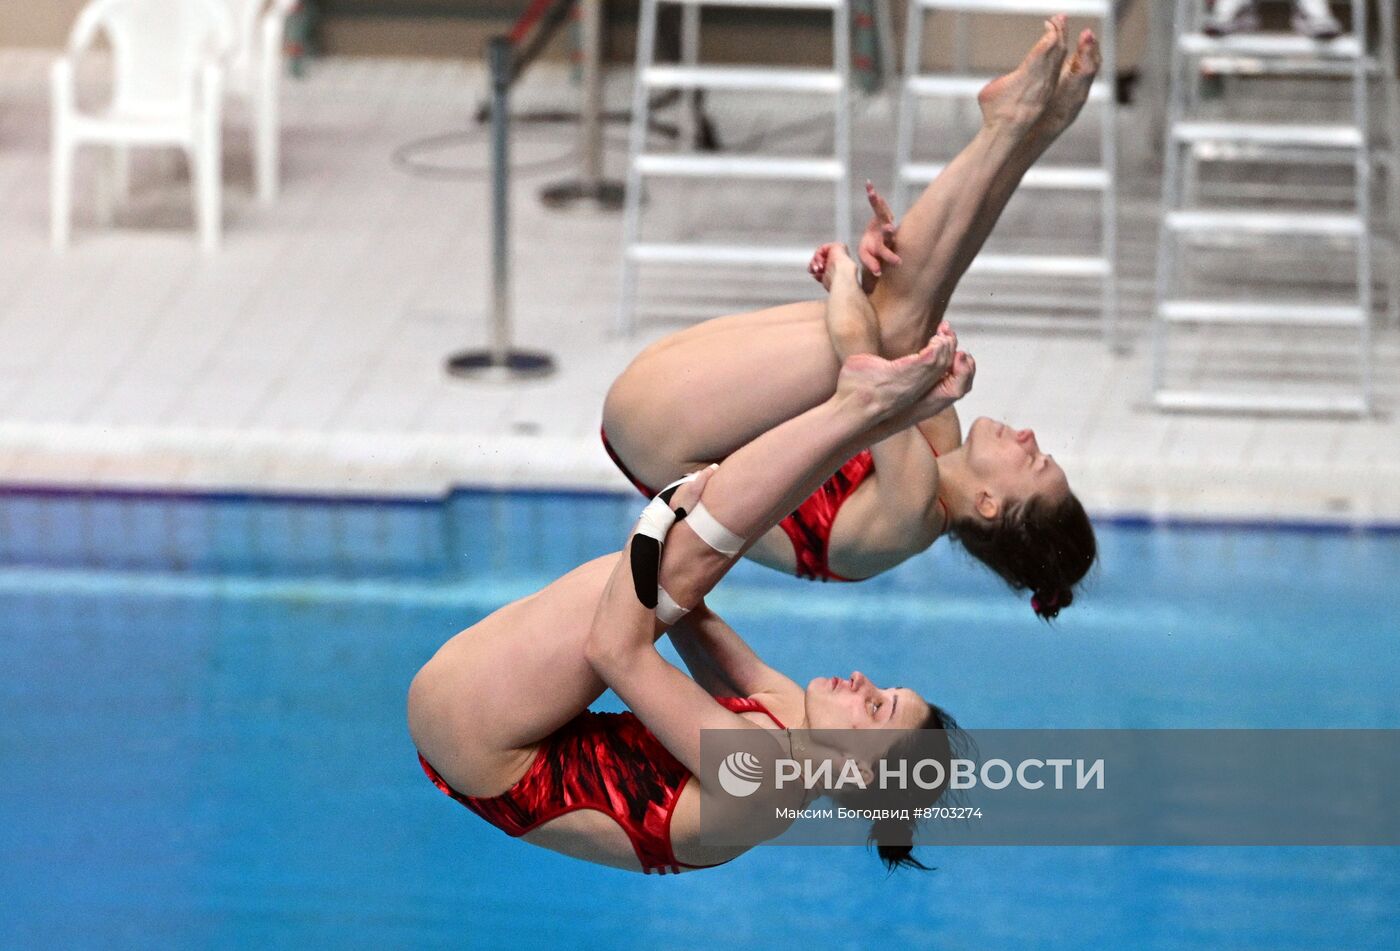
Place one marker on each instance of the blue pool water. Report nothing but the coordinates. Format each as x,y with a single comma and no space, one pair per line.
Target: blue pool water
202,739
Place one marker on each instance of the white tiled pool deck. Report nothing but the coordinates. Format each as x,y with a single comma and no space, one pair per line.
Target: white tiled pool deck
306,356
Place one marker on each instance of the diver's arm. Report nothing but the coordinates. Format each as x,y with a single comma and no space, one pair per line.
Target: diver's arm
686,640
703,637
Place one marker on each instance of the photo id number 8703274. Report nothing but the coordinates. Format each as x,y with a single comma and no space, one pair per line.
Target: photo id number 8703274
948,812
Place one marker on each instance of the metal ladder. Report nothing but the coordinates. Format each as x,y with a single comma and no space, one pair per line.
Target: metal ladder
959,84
689,77
1192,141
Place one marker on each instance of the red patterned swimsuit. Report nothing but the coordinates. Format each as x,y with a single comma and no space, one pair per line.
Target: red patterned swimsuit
605,761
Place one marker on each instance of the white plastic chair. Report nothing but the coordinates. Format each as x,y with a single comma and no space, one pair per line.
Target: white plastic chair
166,91
254,72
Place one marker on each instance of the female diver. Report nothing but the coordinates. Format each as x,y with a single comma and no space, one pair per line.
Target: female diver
499,715
697,395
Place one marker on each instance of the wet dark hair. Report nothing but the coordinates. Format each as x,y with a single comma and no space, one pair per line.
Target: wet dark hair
1043,547
893,838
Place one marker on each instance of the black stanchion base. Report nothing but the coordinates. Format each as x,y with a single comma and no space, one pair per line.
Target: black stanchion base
491,366
605,196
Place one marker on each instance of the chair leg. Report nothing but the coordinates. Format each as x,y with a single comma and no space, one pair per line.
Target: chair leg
265,147
61,146
208,195
207,158
267,121
61,190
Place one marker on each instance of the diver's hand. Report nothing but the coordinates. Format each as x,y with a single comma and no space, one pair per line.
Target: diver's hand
877,244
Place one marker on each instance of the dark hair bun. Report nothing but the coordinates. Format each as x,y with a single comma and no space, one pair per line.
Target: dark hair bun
1047,604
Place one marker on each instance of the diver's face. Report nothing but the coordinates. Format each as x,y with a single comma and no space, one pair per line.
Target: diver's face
1010,467
854,703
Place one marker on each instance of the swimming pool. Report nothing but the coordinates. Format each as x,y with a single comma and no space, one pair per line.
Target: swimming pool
203,744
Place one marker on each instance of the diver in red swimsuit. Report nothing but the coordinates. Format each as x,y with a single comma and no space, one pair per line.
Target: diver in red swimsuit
696,395
610,763
500,714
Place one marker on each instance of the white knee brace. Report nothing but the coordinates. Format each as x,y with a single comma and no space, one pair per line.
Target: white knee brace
712,533
647,541
650,536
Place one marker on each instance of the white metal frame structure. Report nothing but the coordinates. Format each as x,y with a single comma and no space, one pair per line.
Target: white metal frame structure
689,77
167,89
959,84
1191,141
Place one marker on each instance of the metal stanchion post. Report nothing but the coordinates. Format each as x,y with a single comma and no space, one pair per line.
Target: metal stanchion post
501,361
590,186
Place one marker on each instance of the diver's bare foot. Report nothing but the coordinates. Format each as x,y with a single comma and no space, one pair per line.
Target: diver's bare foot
889,387
841,276
1072,91
851,321
1017,100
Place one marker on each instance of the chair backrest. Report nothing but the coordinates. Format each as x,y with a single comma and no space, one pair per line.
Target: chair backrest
248,18
245,15
158,47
